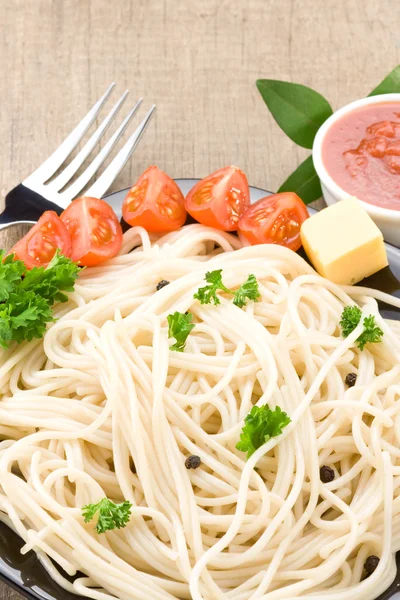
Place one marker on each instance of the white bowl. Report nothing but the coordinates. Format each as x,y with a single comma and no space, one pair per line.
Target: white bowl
388,220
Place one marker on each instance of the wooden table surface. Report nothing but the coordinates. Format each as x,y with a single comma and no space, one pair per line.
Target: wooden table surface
198,61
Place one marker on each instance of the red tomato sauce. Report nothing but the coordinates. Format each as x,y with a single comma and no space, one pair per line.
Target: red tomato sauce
361,152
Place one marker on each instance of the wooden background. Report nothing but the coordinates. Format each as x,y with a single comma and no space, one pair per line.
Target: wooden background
198,61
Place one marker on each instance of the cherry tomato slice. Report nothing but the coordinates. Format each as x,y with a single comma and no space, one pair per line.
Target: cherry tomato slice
96,234
155,202
220,199
275,219
39,245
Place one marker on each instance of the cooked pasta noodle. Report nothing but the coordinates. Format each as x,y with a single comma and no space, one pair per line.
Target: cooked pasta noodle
101,407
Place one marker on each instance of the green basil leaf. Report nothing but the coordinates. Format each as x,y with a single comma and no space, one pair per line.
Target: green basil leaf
298,110
304,181
390,85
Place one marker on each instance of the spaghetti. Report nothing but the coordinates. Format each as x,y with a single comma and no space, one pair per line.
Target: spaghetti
101,407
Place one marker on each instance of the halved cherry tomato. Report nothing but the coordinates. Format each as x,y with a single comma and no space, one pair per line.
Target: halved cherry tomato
275,219
96,234
155,202
39,245
220,199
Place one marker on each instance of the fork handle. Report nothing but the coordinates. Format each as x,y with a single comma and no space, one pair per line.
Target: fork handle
23,204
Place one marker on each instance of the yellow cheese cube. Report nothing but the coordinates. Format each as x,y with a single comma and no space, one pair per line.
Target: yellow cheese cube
343,243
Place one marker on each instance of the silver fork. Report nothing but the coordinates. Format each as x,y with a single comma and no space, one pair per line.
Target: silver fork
28,200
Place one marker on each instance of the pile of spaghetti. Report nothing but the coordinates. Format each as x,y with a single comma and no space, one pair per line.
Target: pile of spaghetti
101,407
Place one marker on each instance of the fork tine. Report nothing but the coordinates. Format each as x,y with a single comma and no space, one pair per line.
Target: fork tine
50,165
99,188
64,177
91,170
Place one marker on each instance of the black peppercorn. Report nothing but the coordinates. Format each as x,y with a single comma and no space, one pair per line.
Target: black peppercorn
162,284
192,462
351,379
370,564
326,474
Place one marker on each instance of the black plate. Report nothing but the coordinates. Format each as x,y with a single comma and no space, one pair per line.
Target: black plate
25,573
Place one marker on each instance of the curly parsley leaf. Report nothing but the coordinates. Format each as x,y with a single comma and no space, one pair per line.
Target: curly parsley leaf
208,293
179,327
50,282
249,290
24,317
372,334
11,272
261,424
351,317
26,296
6,332
110,515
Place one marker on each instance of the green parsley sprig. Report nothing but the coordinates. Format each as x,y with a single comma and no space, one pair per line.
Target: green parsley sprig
26,297
179,327
110,515
207,294
351,317
261,424
23,317
247,291
11,272
50,282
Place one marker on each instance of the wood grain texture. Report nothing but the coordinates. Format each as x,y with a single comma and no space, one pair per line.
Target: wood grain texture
7,593
198,60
